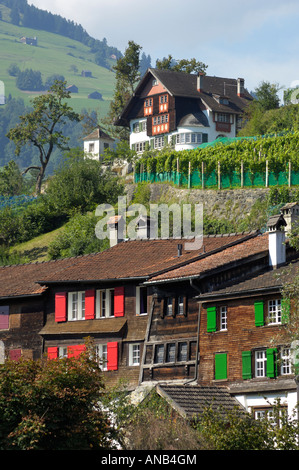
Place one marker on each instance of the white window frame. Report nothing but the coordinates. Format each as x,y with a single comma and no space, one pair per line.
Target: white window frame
285,356
102,356
274,311
106,296
159,142
138,300
223,318
134,354
180,309
169,306
62,351
260,363
76,306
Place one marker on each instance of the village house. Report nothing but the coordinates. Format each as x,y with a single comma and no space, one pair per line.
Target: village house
183,110
163,315
95,143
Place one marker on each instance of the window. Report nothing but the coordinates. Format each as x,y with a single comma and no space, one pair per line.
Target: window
216,319
260,364
102,355
76,305
4,317
223,318
134,354
141,300
159,354
104,303
182,352
268,413
62,351
139,147
285,356
169,307
160,119
180,305
159,142
170,352
189,137
274,311
139,126
163,99
223,117
91,147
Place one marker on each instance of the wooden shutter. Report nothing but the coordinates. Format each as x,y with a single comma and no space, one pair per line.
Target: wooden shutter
211,319
285,310
112,356
119,301
4,317
246,365
75,351
259,313
220,366
53,353
89,304
60,306
15,354
271,363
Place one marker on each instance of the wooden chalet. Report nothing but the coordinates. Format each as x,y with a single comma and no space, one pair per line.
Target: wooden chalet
184,110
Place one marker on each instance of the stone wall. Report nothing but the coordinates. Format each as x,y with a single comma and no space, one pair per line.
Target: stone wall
233,204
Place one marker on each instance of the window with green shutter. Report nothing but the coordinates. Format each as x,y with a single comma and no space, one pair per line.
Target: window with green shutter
246,365
271,362
259,313
211,319
285,310
220,366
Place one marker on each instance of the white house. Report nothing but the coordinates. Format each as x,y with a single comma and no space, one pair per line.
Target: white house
96,143
184,110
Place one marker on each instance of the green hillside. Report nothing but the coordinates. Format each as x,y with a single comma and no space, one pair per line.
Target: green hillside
54,54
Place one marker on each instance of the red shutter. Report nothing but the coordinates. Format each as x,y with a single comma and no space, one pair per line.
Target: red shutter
75,351
89,304
53,353
119,301
15,354
60,306
112,356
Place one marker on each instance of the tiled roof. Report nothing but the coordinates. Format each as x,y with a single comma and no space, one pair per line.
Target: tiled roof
252,246
266,280
21,279
137,259
191,400
96,134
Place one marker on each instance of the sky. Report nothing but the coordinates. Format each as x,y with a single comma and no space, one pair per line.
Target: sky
257,40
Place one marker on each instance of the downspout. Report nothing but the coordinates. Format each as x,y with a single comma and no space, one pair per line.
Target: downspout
197,341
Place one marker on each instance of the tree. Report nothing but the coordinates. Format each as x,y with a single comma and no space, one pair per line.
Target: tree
183,65
42,127
267,95
53,404
127,76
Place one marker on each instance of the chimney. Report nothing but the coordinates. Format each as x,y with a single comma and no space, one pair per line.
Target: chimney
240,86
290,213
145,227
277,247
180,249
116,227
200,79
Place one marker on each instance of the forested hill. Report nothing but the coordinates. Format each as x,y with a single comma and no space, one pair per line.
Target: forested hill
29,16
62,50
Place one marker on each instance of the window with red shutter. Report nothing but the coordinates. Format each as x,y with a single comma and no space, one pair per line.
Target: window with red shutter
112,356
60,306
15,354
119,301
52,353
76,350
89,304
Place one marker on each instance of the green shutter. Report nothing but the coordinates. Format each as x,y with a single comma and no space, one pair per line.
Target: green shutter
211,319
271,363
204,138
246,365
152,143
259,313
220,366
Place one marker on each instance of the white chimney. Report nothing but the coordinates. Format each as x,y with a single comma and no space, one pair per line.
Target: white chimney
200,79
240,86
277,247
116,227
